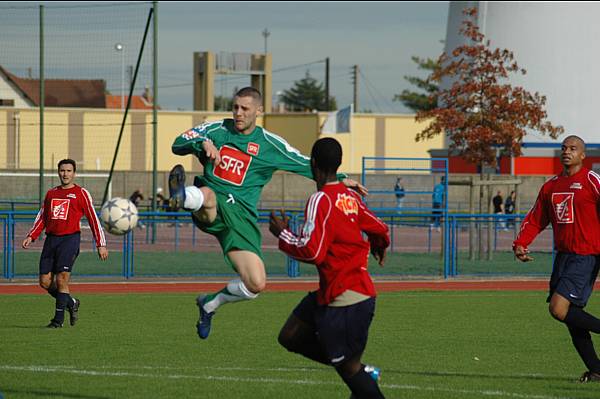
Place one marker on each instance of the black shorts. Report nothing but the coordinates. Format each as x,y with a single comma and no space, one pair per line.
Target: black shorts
342,331
59,253
573,277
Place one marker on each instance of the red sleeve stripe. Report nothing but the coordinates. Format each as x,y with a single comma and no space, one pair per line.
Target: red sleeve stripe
37,224
93,219
594,178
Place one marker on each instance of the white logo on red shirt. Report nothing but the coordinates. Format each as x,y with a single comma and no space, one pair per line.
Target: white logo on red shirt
233,166
71,196
60,208
562,203
253,149
577,186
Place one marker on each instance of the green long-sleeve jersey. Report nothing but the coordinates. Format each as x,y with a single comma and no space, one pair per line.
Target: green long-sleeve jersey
247,161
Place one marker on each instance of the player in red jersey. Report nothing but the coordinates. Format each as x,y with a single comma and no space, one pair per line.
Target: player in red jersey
331,325
63,208
570,202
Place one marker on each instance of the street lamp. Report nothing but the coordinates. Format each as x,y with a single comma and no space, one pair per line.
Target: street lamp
266,34
119,47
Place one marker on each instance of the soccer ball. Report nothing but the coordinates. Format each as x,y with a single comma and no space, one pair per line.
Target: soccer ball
119,216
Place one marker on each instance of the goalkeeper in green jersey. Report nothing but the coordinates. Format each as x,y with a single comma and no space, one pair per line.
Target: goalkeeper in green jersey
239,158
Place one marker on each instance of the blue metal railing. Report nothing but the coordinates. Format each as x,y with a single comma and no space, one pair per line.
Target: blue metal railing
453,223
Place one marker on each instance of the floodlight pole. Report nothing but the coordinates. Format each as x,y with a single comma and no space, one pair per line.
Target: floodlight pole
266,34
42,98
119,47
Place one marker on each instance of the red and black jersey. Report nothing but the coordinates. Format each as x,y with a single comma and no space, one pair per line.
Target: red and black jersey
62,211
571,204
332,239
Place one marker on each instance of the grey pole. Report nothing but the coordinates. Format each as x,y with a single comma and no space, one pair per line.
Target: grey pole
42,97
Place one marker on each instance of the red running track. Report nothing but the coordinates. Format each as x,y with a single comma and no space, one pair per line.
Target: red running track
381,286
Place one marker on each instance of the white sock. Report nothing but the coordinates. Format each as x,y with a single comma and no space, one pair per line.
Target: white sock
193,198
234,292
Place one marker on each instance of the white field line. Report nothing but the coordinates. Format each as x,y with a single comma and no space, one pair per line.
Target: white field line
488,393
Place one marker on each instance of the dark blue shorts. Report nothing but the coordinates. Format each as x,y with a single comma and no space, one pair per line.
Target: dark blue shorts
573,277
59,253
342,331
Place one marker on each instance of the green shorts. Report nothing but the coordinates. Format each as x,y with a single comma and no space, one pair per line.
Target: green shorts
235,228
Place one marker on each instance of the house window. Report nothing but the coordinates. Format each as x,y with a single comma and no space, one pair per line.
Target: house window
5,102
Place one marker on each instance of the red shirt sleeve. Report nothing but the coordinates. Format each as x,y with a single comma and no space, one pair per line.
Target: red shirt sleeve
376,230
40,222
535,221
90,214
311,246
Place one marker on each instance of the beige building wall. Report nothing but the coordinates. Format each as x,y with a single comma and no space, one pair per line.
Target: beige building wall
90,137
300,130
382,135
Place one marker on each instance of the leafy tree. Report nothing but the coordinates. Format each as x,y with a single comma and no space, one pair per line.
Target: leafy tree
421,101
478,112
307,95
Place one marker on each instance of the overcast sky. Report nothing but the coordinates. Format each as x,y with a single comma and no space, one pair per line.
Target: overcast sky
379,37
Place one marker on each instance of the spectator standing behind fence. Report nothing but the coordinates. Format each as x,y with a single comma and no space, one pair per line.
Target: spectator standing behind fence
509,208
438,200
498,203
136,198
399,190
161,201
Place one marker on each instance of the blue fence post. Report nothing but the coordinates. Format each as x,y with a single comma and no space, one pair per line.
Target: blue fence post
293,269
4,248
149,226
429,239
11,246
130,254
176,233
124,257
392,234
454,250
193,234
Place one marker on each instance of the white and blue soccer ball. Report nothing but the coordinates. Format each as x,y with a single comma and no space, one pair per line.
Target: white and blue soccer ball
119,216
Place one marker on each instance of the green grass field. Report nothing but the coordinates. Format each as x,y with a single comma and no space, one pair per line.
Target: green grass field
428,344
211,263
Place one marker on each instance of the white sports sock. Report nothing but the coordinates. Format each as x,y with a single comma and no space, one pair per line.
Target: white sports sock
237,287
193,198
234,292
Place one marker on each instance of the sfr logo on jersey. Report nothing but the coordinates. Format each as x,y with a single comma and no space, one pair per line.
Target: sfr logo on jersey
233,166
253,149
347,204
563,207
59,208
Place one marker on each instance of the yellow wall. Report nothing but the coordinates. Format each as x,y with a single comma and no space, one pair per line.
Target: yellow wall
300,130
96,133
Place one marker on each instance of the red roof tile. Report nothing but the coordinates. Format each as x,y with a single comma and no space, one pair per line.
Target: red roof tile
137,102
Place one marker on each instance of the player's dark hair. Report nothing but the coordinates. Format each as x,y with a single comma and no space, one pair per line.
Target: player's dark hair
67,161
327,155
249,92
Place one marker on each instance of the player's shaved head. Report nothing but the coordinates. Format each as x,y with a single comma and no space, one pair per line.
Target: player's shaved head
576,138
250,92
327,155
